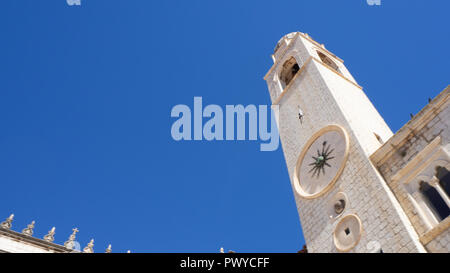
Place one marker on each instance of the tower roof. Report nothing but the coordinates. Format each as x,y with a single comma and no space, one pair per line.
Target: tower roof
287,36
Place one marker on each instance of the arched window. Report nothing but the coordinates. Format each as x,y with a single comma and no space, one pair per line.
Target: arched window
326,60
434,200
290,69
444,179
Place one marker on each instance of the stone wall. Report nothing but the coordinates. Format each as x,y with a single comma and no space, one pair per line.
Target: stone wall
402,158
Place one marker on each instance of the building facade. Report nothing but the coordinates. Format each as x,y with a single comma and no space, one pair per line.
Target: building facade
355,188
24,242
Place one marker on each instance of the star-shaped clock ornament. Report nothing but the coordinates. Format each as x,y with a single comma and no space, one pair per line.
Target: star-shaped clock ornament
321,160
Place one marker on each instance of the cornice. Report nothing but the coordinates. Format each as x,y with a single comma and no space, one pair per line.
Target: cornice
415,124
33,241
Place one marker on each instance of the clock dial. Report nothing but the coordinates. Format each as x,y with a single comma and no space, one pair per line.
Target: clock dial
321,161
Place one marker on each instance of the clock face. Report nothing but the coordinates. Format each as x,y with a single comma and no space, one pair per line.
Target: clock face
321,161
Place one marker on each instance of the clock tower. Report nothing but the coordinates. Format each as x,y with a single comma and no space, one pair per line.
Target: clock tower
329,129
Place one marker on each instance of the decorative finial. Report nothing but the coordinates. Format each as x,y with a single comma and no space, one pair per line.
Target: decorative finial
90,247
50,237
69,244
7,224
29,230
229,251
109,249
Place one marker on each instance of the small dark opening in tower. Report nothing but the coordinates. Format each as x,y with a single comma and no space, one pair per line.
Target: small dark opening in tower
290,69
295,69
347,231
434,200
339,206
403,152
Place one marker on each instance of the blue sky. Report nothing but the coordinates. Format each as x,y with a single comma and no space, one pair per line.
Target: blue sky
86,94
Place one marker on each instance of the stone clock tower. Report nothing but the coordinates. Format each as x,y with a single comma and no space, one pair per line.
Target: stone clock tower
329,129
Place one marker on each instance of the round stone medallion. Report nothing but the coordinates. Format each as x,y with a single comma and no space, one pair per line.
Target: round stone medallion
347,233
337,205
321,162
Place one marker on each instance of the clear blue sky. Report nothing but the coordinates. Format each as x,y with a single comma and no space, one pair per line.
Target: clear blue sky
86,94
